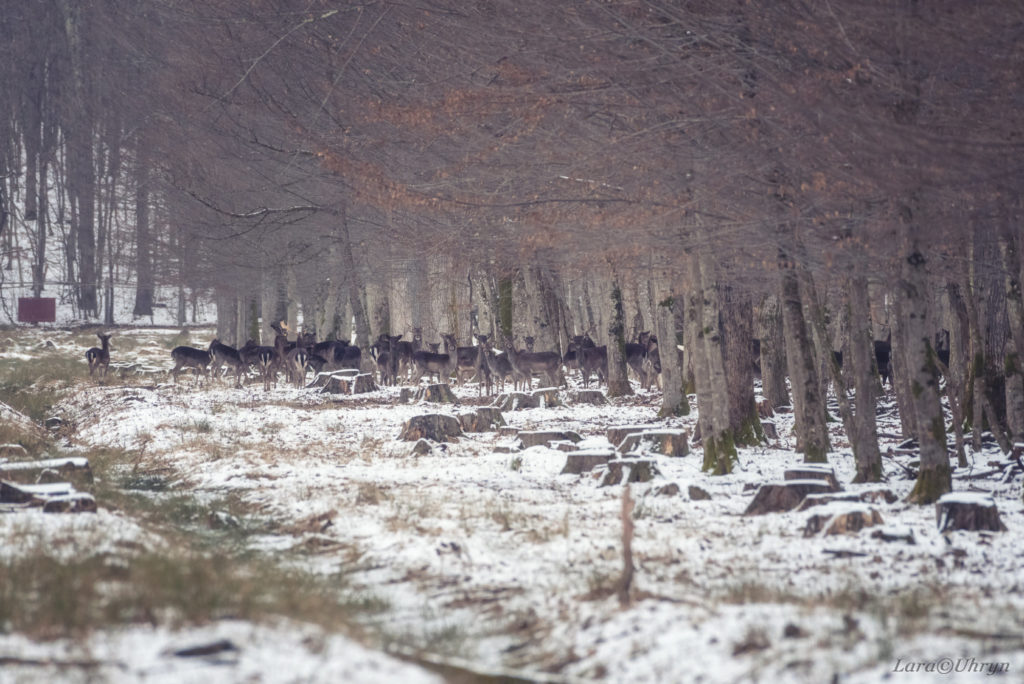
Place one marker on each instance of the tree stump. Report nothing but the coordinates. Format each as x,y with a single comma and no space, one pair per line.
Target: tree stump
76,502
593,397
764,409
664,442
514,401
481,420
579,462
405,395
670,489
546,397
776,497
619,432
968,511
436,394
434,426
628,471
769,429
346,383
421,448
842,518
810,471
698,494
542,437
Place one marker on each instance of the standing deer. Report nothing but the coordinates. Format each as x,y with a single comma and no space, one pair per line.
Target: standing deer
269,359
430,362
224,355
190,357
593,360
528,363
404,351
99,357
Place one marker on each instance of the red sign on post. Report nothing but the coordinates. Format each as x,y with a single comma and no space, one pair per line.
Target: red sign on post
37,309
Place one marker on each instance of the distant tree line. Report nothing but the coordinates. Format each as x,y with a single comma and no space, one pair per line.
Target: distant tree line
817,176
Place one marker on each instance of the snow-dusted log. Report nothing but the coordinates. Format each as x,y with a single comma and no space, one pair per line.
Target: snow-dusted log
880,495
76,502
31,471
968,511
438,427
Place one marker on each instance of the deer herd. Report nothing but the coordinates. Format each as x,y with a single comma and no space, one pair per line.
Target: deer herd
397,360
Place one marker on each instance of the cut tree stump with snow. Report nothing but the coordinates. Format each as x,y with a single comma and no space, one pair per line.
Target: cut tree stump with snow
810,471
663,442
968,511
436,394
438,427
338,383
578,462
540,398
628,471
777,497
867,496
481,420
531,438
842,518
617,433
592,397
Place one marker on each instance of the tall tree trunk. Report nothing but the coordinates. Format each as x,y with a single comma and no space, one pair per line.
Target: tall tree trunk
913,304
720,444
143,242
673,394
618,381
1009,248
737,332
693,324
808,404
862,368
773,354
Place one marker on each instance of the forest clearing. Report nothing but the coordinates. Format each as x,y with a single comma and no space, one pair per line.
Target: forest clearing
294,527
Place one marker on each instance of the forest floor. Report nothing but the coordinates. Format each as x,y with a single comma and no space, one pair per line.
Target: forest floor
289,535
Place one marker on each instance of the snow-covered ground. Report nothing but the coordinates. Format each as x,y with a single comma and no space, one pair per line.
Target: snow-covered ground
495,562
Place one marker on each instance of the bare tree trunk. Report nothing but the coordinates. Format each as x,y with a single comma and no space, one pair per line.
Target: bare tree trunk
618,381
773,354
673,395
720,443
143,243
1009,248
862,368
737,332
808,404
913,304
693,323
